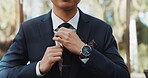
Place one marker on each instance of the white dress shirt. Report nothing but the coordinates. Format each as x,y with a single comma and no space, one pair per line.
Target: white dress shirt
56,21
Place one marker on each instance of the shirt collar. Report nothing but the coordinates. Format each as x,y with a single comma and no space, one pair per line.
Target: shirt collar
56,21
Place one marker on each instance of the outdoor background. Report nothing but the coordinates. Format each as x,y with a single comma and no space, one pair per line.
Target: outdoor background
129,23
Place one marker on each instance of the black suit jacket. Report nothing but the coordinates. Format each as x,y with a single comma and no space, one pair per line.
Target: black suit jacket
36,35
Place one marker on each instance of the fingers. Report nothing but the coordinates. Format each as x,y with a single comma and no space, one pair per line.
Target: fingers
64,36
54,49
63,41
56,54
54,59
52,55
64,33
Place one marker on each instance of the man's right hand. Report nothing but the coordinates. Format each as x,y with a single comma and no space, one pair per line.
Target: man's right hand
52,55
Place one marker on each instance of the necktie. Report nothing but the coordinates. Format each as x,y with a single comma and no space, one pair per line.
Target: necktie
65,65
66,25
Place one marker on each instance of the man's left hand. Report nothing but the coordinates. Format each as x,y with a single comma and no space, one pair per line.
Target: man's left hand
69,39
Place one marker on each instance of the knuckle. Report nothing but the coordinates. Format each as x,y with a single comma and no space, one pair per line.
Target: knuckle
58,38
57,33
66,37
49,55
67,42
62,28
68,34
71,31
61,50
48,48
60,53
58,58
50,59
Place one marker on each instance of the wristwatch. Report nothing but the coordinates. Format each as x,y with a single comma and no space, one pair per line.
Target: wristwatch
85,51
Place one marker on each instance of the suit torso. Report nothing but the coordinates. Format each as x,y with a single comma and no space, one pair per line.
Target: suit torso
39,36
36,35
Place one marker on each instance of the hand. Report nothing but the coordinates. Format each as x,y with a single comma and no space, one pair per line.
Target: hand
52,55
69,39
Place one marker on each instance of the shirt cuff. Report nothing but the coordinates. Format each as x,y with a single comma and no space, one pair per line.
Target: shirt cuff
38,73
84,60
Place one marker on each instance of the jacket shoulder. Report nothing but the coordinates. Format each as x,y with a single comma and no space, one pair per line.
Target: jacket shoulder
97,23
35,20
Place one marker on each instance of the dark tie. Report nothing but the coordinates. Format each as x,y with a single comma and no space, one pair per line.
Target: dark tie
67,56
66,25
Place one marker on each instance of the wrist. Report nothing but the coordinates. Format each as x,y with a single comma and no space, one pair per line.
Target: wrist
38,73
79,48
41,69
85,51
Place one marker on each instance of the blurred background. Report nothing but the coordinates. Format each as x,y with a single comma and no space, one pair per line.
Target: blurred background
128,18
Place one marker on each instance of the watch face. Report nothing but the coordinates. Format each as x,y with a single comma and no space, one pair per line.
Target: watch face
86,51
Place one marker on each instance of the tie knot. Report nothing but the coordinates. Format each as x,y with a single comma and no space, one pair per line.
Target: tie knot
66,25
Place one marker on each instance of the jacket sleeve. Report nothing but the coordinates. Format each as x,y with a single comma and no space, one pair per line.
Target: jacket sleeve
108,64
14,62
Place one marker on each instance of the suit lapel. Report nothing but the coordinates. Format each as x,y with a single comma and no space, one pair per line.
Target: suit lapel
83,27
83,31
46,31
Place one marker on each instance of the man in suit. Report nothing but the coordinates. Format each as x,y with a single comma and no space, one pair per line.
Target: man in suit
88,52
